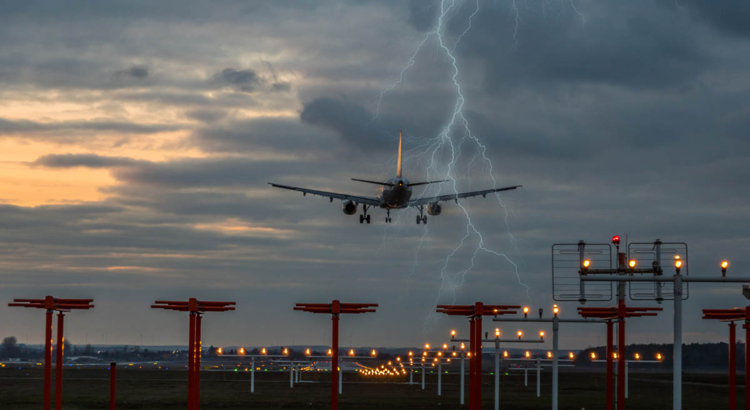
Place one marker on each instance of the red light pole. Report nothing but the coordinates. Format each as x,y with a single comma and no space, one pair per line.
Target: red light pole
618,313
335,308
732,315
196,309
51,304
474,313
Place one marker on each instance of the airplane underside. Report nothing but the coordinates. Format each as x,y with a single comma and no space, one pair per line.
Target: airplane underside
421,218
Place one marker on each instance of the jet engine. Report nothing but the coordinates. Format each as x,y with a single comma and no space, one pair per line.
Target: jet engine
349,207
434,209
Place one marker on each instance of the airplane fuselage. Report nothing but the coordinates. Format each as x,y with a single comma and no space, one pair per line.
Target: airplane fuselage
396,195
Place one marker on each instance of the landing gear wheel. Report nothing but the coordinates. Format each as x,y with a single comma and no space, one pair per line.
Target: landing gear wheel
424,219
361,218
419,219
367,218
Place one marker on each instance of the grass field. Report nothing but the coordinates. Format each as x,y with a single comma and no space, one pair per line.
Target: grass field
166,389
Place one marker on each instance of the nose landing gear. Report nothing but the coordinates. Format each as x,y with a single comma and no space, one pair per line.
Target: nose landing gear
388,217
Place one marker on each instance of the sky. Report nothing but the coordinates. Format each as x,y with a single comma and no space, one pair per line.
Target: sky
137,139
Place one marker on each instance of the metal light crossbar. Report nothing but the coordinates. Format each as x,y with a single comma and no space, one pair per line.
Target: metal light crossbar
731,316
196,309
52,304
336,308
474,313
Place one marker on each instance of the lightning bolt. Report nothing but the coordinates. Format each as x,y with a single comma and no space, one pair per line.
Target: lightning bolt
443,151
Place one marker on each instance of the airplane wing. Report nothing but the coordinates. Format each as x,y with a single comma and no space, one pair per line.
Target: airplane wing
358,199
456,197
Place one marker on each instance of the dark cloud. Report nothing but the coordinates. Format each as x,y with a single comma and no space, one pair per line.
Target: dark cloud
206,114
82,160
729,17
136,72
62,129
245,80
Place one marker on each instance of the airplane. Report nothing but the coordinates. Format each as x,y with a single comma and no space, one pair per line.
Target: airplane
396,194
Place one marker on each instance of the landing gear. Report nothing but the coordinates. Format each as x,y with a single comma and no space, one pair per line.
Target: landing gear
421,217
388,217
364,217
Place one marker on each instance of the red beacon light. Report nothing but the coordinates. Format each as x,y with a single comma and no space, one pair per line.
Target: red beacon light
616,239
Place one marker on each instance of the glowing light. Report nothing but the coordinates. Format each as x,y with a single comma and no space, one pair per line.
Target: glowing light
497,332
632,263
263,351
219,351
307,352
453,333
658,356
549,355
505,353
555,309
330,352
678,264
242,350
351,352
541,334
463,346
616,239
528,354
724,265
637,356
374,353
586,263
571,355
427,346
445,347
411,354
520,334
593,356
286,351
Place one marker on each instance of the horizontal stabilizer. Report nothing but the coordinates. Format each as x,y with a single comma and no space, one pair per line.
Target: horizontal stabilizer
372,182
428,182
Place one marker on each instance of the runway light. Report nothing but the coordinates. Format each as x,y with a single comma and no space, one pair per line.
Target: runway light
724,266
242,350
520,334
505,353
632,263
593,356
678,265
616,239
528,354
307,352
555,309
526,311
453,333
219,351
351,352
445,346
373,353
463,346
658,356
571,356
541,335
427,346
586,264
286,351
497,332
411,354
263,351
330,352
637,356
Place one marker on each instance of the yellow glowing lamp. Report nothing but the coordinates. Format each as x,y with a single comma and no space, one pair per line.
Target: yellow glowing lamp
549,355
242,350
528,354
505,353
632,263
445,347
453,333
614,355
455,354
219,351
677,257
398,359
541,334
593,356
374,353
427,346
586,264
351,352
637,356
389,363
497,332
520,334
411,354
330,352
571,355
658,356
678,263
555,309
424,353
468,354
463,346
263,351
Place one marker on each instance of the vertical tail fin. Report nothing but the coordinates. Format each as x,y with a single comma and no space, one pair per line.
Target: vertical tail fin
398,167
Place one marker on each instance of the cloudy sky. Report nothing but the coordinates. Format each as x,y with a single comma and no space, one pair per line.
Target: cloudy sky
137,138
